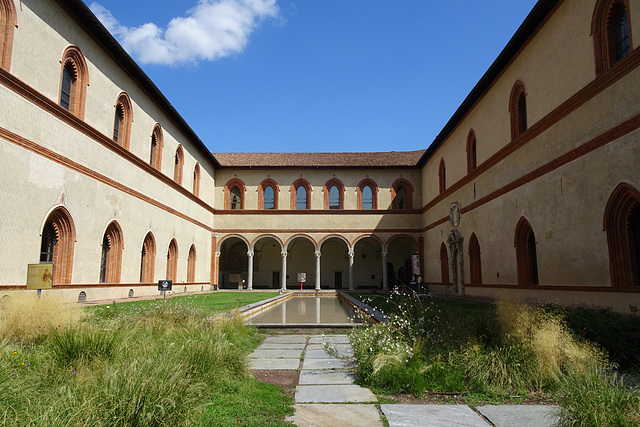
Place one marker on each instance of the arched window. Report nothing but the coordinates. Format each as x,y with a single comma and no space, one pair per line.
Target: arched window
172,261
268,191
611,31
196,180
111,258
442,177
157,143
622,224
333,194
178,165
122,121
444,263
74,79
234,192
401,195
518,110
301,194
367,191
472,156
191,265
475,264
526,254
148,259
8,21
57,242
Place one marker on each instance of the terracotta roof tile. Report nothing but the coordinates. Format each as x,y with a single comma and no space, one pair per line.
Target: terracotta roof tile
383,159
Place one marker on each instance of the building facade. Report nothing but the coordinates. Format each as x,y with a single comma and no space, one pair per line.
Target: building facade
531,190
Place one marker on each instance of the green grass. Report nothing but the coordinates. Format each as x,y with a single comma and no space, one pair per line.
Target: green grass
158,364
207,303
489,353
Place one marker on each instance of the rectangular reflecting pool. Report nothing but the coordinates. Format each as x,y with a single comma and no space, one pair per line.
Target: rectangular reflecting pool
329,311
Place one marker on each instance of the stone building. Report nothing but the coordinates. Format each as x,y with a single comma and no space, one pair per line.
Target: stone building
531,190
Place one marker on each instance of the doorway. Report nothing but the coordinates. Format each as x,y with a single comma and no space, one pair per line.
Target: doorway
337,279
275,280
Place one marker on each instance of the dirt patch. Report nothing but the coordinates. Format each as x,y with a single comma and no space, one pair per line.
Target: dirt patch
303,331
286,378
464,399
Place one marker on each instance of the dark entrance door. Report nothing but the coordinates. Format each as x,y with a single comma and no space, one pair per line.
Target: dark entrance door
338,279
275,279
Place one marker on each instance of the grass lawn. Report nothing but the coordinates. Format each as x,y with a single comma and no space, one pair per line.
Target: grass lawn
214,302
143,363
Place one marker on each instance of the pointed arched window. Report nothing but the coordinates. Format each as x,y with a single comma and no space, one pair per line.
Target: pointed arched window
268,194
74,79
148,259
57,244
442,177
122,121
8,21
472,155
191,265
367,191
475,263
301,194
111,258
444,263
526,254
196,180
172,261
611,32
518,110
622,224
178,165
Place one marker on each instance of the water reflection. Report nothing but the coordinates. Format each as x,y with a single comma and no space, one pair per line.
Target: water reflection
308,310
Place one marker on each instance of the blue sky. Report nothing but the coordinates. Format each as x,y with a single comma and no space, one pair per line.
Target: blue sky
314,75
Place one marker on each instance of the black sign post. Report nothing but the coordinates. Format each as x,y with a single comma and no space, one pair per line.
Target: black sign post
164,286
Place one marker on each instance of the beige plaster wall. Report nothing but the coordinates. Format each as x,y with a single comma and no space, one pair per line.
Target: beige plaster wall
44,32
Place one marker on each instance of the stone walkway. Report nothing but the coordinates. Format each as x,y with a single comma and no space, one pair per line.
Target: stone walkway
326,395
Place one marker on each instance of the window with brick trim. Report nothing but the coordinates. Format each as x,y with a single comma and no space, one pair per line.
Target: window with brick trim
178,165
475,263
472,155
157,144
442,177
401,195
122,121
518,110
268,194
611,32
622,225
172,261
334,194
74,79
234,192
8,21
148,259
526,253
367,192
111,256
444,263
57,244
196,180
191,265
301,194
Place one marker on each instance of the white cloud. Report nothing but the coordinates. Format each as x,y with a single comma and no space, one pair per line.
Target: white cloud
212,29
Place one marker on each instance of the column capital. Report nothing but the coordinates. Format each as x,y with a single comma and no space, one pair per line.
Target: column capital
318,254
217,254
250,253
384,252
284,253
351,253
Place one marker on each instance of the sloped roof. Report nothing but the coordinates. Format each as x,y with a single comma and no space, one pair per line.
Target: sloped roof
319,160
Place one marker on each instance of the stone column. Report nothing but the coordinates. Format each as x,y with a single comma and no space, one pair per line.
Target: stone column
318,254
318,310
283,278
250,272
351,254
385,281
217,271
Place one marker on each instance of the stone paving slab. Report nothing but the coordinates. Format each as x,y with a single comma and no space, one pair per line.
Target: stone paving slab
319,415
316,354
328,364
274,363
521,415
275,354
325,377
432,416
333,394
335,339
288,339
281,346
343,350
